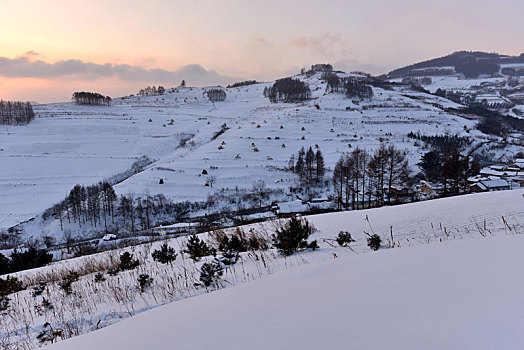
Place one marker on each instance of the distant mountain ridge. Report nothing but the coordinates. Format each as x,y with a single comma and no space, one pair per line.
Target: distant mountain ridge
470,63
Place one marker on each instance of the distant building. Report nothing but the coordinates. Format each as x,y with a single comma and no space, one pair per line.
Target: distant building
287,209
431,189
490,185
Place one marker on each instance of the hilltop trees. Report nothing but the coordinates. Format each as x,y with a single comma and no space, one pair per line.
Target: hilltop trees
288,90
216,95
91,99
16,113
152,90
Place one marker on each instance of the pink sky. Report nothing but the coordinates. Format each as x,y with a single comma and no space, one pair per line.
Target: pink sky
48,49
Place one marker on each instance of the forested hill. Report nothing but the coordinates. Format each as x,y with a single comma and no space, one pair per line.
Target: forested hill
469,63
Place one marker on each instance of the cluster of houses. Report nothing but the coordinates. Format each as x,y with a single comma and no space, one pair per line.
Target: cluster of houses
492,178
499,177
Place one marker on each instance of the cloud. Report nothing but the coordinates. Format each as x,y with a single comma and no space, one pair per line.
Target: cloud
261,40
349,65
24,67
326,46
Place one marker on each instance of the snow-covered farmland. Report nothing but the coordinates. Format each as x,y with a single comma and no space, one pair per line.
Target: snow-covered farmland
68,144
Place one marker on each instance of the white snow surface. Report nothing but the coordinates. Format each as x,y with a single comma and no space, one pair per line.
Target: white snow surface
457,295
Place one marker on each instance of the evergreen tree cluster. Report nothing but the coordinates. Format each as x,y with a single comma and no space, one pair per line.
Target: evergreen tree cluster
91,99
308,165
443,143
288,90
24,260
152,90
16,113
359,176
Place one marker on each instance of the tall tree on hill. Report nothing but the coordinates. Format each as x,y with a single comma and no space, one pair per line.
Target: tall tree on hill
299,166
338,183
397,170
320,166
431,165
309,165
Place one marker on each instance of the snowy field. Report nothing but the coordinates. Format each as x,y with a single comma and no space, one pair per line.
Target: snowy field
394,291
68,144
457,295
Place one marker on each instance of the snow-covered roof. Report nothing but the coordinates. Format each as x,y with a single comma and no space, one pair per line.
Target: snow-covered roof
494,183
292,207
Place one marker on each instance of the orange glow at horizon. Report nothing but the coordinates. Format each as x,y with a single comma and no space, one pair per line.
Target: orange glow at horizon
248,40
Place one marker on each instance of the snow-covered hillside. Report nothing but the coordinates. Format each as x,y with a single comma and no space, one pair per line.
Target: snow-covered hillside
490,217
68,144
457,295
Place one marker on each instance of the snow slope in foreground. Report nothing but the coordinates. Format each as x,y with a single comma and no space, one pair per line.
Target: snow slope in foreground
456,295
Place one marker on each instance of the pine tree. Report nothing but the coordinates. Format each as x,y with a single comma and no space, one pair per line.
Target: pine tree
197,248
293,236
211,272
299,166
320,166
309,164
164,255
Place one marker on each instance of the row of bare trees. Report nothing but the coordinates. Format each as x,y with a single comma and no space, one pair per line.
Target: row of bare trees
361,177
16,113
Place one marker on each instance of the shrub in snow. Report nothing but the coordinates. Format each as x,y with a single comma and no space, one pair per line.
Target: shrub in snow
11,285
99,277
113,272
236,243
127,262
144,282
66,283
210,272
46,304
313,245
39,289
165,254
48,334
293,236
344,238
197,248
374,242
228,258
4,302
